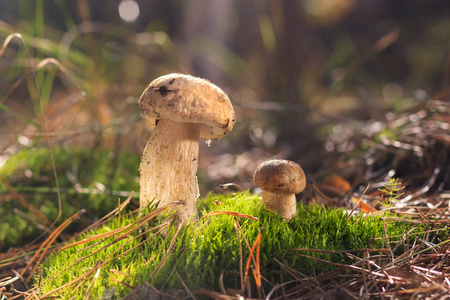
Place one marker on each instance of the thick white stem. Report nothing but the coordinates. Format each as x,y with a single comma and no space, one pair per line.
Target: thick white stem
169,167
283,204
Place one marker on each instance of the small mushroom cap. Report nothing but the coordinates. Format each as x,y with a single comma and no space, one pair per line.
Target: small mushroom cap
184,98
280,176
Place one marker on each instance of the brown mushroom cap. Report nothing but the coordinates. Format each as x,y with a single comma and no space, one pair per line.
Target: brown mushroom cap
188,99
280,176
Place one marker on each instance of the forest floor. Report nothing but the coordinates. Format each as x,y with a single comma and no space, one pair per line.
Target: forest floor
403,170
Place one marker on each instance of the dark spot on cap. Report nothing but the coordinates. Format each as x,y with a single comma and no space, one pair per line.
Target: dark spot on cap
280,185
164,90
172,81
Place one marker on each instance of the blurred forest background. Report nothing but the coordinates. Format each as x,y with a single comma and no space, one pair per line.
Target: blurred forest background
308,79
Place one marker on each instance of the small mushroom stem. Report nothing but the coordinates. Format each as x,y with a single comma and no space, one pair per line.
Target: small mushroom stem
283,204
169,167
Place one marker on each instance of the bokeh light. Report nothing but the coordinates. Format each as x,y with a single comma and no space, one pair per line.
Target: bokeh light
129,10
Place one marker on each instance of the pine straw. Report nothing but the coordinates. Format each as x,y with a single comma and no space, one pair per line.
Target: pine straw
414,147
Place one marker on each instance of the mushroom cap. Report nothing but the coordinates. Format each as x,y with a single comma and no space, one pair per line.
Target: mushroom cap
280,176
189,99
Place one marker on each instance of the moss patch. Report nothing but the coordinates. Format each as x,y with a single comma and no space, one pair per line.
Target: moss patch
199,254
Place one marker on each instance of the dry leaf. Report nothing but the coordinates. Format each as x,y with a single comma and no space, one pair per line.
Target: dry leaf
337,183
363,206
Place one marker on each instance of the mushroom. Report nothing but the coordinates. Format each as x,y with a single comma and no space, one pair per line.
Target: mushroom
187,108
280,180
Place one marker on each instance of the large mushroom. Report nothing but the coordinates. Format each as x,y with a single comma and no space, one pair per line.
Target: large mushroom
187,109
280,180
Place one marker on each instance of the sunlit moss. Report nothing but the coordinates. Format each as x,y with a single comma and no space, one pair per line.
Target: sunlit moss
200,255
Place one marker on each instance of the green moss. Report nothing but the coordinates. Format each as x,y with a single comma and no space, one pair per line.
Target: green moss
200,255
82,173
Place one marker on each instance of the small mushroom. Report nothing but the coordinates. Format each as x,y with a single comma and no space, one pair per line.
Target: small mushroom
187,108
280,180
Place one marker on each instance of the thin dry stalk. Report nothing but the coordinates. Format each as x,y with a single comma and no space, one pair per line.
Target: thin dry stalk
39,215
245,239
8,280
47,243
365,286
241,274
257,273
221,284
134,226
185,286
353,267
231,213
98,265
114,212
159,293
109,259
247,268
391,254
338,252
357,203
372,278
83,277
426,218
163,226
8,40
169,252
124,284
215,295
118,206
40,65
138,224
119,272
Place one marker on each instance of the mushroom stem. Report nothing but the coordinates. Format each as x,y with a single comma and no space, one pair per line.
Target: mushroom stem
169,167
283,204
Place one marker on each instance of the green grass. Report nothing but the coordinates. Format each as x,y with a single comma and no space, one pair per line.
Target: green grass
200,255
81,174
